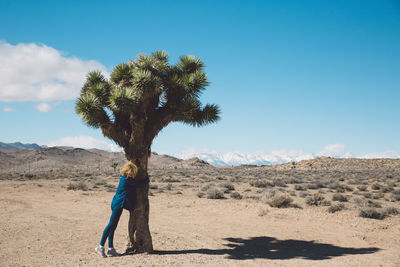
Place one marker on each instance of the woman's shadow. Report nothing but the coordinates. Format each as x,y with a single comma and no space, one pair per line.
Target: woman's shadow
271,248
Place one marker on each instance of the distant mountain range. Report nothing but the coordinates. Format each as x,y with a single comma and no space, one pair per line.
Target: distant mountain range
19,146
227,159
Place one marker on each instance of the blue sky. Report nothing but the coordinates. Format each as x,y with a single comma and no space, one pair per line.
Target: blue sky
293,75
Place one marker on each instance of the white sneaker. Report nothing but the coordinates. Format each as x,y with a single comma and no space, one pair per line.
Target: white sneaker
112,252
100,251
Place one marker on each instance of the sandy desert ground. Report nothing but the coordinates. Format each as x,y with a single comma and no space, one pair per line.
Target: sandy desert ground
43,224
295,214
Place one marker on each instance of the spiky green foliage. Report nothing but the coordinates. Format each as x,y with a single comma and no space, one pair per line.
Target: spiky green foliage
143,96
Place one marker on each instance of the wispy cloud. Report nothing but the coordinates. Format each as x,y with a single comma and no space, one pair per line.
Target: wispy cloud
86,142
8,109
36,72
44,107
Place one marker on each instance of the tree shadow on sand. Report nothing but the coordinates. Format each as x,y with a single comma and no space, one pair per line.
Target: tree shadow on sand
272,248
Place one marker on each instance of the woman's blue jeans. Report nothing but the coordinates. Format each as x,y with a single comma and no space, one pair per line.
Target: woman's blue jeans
110,228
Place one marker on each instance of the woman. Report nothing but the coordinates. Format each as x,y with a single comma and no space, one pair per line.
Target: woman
124,198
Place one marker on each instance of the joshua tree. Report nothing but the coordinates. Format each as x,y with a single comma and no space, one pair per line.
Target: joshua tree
114,165
134,105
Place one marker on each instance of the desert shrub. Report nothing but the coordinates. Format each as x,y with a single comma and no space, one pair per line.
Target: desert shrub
215,193
378,195
320,184
340,190
280,201
367,195
335,208
253,197
359,201
372,213
348,188
269,194
169,187
236,195
279,182
261,183
153,186
206,187
200,194
325,202
77,186
312,186
228,186
315,200
362,188
376,186
386,189
366,203
390,183
333,185
292,193
394,197
170,180
300,187
392,211
304,194
292,180
100,182
339,197
373,204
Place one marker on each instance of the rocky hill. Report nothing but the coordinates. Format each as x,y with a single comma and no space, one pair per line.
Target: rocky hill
340,164
53,158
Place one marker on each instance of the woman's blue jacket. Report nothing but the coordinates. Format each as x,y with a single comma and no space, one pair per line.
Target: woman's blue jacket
125,196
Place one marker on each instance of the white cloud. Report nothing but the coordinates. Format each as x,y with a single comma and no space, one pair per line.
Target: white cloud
85,142
8,109
36,72
44,107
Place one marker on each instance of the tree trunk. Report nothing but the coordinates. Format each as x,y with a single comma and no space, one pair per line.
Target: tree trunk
139,232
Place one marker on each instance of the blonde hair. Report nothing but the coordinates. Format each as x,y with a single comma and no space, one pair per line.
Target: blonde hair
129,170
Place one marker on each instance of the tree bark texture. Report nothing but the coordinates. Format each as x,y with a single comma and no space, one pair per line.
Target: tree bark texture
139,232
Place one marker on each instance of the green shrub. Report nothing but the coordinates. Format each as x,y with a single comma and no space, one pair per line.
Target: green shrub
362,188
279,183
77,186
315,200
339,197
299,187
200,194
280,201
376,186
261,183
215,193
372,213
228,186
335,208
392,211
236,195
304,194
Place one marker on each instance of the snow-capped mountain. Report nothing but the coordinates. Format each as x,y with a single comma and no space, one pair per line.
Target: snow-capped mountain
275,157
239,158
